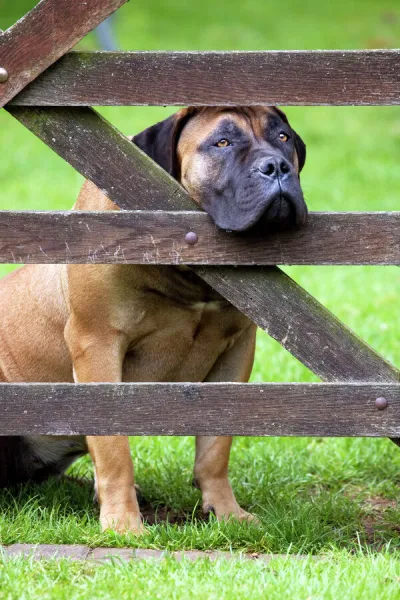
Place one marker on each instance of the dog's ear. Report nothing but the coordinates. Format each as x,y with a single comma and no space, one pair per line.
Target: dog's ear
299,145
160,140
300,150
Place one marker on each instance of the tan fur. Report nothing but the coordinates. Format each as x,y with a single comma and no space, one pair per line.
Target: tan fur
194,167
112,323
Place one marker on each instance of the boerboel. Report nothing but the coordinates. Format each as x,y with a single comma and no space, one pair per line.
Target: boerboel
112,323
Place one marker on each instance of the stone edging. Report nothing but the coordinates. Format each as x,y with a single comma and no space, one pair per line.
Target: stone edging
77,552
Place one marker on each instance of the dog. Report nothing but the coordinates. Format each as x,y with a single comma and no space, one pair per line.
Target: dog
113,323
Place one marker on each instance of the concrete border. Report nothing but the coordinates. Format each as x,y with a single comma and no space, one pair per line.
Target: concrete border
79,552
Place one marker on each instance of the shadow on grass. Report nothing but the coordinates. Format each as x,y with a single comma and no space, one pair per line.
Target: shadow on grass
63,511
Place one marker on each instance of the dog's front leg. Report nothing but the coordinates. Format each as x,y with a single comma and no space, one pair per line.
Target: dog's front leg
119,509
212,452
211,476
98,358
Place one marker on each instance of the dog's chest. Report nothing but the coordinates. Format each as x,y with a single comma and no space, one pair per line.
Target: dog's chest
181,337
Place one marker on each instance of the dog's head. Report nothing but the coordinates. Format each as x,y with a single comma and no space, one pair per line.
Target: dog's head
240,164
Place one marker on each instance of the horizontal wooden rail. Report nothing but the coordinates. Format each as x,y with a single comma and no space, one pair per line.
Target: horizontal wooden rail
44,34
363,77
156,237
200,409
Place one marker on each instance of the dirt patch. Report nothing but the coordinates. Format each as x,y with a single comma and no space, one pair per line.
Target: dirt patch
379,520
380,504
161,514
377,525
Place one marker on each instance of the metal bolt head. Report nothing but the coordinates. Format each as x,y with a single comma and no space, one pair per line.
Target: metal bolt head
381,403
3,75
191,238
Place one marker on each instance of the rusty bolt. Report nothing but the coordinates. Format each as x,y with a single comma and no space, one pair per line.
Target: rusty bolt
3,75
191,238
381,403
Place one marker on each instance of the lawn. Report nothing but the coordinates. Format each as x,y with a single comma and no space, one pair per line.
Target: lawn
359,577
336,497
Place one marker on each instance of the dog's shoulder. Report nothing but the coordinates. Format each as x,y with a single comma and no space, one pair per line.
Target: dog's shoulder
92,198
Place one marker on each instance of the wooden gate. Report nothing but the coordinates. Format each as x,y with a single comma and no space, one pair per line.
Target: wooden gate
50,92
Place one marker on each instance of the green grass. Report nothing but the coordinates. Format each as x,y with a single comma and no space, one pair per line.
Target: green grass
340,575
331,496
311,495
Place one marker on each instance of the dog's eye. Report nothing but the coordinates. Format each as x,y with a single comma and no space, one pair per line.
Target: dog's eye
223,143
283,136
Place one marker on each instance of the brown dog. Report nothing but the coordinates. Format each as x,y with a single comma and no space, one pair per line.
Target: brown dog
112,323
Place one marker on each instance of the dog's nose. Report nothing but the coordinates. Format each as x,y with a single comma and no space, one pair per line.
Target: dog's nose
273,167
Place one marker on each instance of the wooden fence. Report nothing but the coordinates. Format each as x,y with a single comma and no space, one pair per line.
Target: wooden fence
50,92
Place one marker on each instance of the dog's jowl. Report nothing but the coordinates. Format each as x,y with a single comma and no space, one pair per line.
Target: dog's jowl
112,323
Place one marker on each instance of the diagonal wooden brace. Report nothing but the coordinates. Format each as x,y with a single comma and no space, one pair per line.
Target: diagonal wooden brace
43,35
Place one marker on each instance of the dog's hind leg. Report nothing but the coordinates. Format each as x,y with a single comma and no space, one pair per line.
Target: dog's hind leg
212,452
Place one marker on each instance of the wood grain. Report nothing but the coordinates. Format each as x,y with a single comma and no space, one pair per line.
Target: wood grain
199,409
102,154
219,78
155,237
44,34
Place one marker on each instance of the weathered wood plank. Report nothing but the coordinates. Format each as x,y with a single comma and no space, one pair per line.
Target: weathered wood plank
299,323
157,237
49,30
102,154
266,295
199,409
219,78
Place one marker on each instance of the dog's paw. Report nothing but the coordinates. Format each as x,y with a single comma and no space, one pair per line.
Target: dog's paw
126,522
234,512
247,517
218,499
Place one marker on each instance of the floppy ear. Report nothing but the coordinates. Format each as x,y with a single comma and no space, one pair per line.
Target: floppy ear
299,145
160,140
300,150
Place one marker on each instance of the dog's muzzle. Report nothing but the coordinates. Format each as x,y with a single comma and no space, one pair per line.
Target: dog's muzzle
285,205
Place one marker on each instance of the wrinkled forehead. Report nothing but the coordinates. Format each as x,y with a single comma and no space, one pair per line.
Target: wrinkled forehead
253,120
